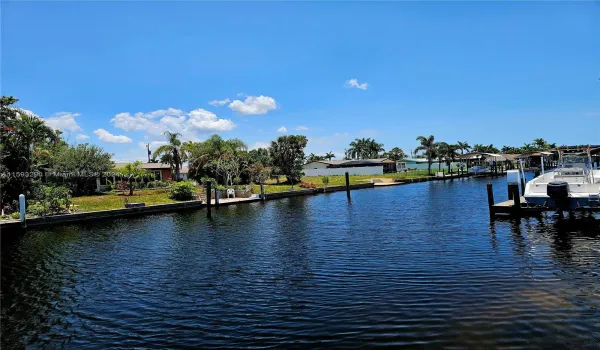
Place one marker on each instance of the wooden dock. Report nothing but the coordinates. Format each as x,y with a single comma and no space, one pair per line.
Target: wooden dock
520,207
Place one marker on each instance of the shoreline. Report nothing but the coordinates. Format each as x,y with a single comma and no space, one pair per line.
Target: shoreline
41,222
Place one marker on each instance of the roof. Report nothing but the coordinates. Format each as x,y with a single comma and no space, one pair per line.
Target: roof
479,155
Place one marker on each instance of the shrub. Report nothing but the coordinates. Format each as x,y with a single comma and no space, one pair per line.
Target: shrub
325,180
15,216
38,208
122,186
57,197
181,191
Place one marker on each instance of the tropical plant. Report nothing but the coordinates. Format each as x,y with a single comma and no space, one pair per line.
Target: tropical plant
325,181
288,156
428,147
171,153
448,153
463,146
329,155
364,148
133,171
396,154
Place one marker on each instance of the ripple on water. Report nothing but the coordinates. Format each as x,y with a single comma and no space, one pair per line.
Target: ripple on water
407,266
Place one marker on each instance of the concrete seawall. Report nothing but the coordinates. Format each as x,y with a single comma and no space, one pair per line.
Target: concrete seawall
160,208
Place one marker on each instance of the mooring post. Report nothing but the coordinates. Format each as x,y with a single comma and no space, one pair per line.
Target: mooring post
516,200
348,185
522,186
262,191
208,199
216,197
510,190
22,210
490,195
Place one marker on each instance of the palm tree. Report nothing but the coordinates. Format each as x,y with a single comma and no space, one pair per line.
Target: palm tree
171,152
463,146
29,131
428,147
133,171
447,153
541,144
329,155
395,154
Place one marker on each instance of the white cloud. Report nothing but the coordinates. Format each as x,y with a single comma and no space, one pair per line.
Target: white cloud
107,137
81,137
63,121
204,120
282,129
173,120
300,127
353,83
260,145
219,102
254,105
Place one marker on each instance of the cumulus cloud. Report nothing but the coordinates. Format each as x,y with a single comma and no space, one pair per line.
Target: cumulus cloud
260,145
253,105
81,137
219,103
173,120
63,121
353,83
107,137
300,127
282,129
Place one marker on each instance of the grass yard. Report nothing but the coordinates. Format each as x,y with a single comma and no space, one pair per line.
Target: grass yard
117,201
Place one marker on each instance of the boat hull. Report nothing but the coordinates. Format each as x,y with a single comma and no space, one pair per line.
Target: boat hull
573,202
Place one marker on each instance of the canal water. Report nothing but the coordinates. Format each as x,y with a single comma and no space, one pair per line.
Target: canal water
416,266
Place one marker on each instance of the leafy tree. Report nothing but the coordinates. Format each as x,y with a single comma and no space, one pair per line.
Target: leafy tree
396,154
83,163
133,171
428,147
203,156
314,158
447,153
171,152
288,156
20,135
329,155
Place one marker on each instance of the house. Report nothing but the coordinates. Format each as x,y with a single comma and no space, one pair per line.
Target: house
161,172
376,166
422,164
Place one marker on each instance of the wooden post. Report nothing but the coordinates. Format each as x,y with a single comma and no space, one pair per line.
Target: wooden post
516,200
208,199
522,187
262,191
348,185
510,190
216,198
490,196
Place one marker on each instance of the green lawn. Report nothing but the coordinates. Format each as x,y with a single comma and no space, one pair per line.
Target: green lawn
161,196
117,201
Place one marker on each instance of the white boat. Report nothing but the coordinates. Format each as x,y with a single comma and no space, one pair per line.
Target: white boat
479,169
574,184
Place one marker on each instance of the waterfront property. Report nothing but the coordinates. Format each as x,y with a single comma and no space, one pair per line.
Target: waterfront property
422,164
376,166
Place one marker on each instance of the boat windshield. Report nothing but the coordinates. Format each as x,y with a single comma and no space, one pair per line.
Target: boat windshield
574,161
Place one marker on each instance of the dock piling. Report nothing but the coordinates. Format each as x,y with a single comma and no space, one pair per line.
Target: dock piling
216,198
208,200
348,185
490,196
262,191
516,199
522,187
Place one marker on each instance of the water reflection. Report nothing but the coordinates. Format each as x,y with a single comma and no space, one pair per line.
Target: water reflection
409,266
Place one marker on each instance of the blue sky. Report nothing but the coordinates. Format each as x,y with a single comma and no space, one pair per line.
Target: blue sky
123,72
